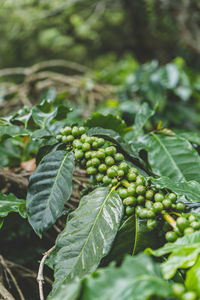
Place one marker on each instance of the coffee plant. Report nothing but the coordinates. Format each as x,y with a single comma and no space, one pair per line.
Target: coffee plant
141,202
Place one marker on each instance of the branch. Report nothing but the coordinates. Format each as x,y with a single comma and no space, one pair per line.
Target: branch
40,277
4,293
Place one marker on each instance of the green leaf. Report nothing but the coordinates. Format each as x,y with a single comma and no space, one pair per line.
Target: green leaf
9,130
88,236
191,136
10,203
49,188
184,253
132,238
172,156
190,189
143,237
143,115
42,114
192,281
108,121
138,278
114,137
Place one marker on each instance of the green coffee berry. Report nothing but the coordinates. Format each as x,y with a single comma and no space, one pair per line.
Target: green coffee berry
157,206
120,173
140,189
111,150
67,130
140,199
59,137
81,130
172,197
167,203
100,142
69,138
180,206
88,154
77,144
91,170
100,154
119,157
78,154
129,210
102,168
89,163
64,139
189,296
131,189
111,172
178,289
148,204
195,225
133,170
83,138
86,147
191,218
95,161
99,177
109,161
75,131
123,193
130,201
149,194
171,236
159,197
124,166
150,213
140,180
131,176
182,223
114,181
106,179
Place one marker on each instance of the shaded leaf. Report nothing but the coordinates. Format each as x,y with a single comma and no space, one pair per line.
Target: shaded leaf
172,156
9,130
138,278
143,115
192,281
49,188
191,136
183,254
132,238
10,203
88,236
108,121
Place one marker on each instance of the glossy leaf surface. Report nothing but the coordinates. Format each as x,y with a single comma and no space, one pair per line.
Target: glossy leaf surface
190,189
172,156
49,188
88,236
10,203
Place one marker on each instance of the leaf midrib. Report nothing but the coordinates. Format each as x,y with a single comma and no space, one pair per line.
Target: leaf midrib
168,154
52,190
91,230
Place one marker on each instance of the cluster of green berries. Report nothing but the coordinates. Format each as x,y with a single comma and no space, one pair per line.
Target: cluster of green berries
181,293
107,166
184,225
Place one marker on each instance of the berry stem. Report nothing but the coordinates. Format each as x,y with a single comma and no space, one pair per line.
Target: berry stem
169,219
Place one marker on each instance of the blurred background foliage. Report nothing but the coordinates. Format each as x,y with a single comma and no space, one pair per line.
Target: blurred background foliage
98,32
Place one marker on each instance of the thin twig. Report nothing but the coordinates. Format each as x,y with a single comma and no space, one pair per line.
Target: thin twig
12,277
40,277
